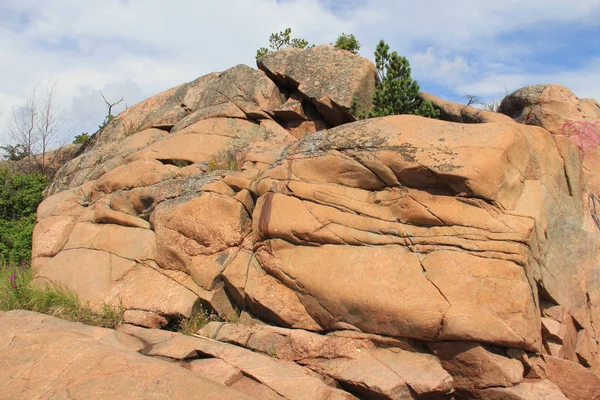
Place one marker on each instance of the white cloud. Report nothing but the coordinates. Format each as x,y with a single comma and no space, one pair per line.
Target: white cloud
136,48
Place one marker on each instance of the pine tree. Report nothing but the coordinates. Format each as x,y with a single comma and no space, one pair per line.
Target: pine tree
396,92
347,42
281,40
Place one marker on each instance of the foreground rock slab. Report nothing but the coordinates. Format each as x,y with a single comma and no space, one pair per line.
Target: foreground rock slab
44,357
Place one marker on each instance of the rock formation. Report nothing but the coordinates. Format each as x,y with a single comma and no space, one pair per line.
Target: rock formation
398,257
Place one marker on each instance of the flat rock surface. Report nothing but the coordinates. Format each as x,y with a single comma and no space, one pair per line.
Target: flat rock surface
43,357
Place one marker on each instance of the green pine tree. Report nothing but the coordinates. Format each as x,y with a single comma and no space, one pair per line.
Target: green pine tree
281,40
347,42
81,138
396,92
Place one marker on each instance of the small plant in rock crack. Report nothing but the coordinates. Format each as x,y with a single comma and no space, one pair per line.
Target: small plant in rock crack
224,160
85,199
201,316
272,352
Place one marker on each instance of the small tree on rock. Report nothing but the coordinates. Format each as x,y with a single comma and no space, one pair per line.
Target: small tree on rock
472,99
347,42
35,128
14,152
396,92
81,138
281,40
109,117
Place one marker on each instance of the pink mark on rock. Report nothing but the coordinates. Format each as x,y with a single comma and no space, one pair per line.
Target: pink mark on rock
585,134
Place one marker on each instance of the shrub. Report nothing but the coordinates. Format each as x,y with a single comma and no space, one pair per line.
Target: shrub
14,152
20,195
224,160
347,42
281,40
202,314
81,139
396,92
16,292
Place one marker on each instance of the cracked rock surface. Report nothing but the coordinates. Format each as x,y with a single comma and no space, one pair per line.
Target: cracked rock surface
465,250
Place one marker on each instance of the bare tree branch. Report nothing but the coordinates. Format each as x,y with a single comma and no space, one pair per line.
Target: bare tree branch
36,126
111,105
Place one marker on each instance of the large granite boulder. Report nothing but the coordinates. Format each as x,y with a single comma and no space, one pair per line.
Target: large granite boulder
425,245
332,79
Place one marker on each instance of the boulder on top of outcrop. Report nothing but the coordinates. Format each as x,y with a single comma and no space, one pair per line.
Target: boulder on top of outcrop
553,107
456,112
331,78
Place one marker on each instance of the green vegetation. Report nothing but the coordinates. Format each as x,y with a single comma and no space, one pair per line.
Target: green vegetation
396,92
224,160
201,315
190,326
347,42
81,139
16,293
281,40
14,152
20,195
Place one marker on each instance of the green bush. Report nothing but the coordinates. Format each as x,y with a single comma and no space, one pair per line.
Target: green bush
396,92
281,40
82,138
20,195
347,42
14,152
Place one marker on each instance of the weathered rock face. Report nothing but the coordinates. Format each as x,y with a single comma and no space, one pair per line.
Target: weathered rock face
330,78
559,111
448,257
71,360
572,121
553,107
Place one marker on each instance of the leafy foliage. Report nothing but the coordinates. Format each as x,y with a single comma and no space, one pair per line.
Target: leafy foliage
17,293
347,42
20,195
81,138
281,40
14,152
396,92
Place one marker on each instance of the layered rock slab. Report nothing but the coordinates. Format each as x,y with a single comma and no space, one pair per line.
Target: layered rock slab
43,357
415,203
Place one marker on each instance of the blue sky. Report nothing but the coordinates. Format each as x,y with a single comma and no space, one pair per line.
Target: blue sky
136,48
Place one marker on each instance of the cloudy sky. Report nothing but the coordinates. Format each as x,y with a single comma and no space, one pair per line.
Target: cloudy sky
136,48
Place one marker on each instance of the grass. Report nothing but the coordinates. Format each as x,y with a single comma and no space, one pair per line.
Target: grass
225,160
201,316
16,293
